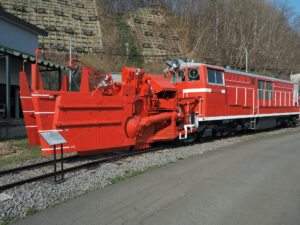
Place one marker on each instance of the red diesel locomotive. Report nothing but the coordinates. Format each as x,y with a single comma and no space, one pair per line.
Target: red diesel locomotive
195,100
219,101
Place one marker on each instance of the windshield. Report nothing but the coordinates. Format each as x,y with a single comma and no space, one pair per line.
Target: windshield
181,75
176,76
173,77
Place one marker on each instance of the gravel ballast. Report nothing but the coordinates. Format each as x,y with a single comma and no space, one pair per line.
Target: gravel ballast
37,196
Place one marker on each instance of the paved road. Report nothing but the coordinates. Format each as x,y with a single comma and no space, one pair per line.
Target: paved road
256,182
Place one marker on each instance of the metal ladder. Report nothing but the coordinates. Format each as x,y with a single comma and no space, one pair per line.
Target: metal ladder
188,126
252,123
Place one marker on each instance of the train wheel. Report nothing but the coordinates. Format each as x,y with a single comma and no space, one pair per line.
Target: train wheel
191,138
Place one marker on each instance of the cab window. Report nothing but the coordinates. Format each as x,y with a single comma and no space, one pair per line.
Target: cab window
193,74
181,75
173,76
214,76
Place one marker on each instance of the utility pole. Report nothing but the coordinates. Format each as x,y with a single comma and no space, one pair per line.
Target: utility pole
70,56
246,51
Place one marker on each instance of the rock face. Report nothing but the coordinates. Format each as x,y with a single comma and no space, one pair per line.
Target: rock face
295,78
62,18
154,35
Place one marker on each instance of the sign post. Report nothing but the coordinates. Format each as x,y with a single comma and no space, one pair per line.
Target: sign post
55,138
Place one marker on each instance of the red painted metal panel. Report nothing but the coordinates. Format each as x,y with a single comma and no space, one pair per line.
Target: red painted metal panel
28,111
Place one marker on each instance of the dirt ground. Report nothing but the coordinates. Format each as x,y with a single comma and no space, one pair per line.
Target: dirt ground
7,149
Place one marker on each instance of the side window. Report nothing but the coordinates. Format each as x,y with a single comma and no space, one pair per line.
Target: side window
219,77
173,76
193,74
269,91
181,75
261,86
211,76
214,76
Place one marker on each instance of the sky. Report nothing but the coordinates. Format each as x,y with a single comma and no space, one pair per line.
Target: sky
295,4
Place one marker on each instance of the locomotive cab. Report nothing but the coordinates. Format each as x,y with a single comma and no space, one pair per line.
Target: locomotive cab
190,80
185,75
201,90
199,81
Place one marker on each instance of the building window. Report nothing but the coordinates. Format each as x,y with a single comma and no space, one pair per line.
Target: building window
261,87
215,76
193,74
269,91
173,77
181,75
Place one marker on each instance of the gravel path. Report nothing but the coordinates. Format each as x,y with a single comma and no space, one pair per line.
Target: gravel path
37,196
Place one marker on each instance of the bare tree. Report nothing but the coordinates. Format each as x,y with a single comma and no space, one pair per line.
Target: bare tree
213,30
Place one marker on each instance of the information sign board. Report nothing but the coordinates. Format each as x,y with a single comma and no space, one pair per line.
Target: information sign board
53,138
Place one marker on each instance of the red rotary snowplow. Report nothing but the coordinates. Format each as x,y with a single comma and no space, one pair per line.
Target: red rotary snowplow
103,116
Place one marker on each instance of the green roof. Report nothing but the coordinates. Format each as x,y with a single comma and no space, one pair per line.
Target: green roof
31,58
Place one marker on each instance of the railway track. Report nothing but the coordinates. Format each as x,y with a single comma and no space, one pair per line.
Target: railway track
33,166
67,170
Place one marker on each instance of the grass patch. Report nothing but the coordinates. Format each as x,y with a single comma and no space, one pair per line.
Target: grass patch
26,153
7,220
125,38
127,174
31,211
117,179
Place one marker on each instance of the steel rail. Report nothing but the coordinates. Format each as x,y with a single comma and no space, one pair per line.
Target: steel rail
75,168
33,166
